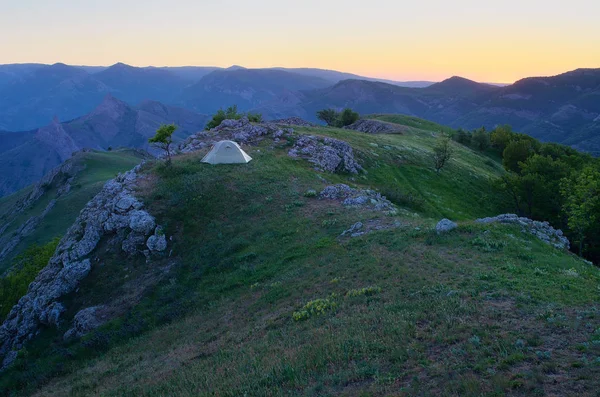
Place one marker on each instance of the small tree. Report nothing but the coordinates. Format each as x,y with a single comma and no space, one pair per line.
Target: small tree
163,139
347,117
480,139
463,137
516,152
582,205
329,116
442,152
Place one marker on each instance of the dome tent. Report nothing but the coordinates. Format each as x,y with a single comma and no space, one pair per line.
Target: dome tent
226,152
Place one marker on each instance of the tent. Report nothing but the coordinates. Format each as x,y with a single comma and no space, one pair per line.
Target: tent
226,152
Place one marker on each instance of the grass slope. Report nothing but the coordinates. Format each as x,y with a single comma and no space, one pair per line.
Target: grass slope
98,167
482,310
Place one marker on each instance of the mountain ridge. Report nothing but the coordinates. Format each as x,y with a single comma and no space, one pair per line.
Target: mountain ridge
113,123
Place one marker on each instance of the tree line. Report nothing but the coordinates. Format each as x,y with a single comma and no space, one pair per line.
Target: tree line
547,182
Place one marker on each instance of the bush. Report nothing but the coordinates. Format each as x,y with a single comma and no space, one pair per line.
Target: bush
366,291
231,113
310,193
255,117
335,119
315,307
347,117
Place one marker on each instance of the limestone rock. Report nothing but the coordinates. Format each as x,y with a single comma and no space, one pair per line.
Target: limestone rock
327,154
541,230
158,241
357,198
141,222
112,212
294,121
87,320
354,230
375,127
132,242
241,131
445,225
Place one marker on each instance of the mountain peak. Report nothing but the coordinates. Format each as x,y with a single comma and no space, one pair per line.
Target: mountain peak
460,85
111,107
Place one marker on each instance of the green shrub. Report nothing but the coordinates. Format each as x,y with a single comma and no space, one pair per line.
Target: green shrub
335,119
25,269
310,193
366,291
315,307
403,199
231,113
254,117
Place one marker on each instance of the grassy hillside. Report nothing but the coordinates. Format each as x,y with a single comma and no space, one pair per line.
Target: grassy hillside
268,299
96,168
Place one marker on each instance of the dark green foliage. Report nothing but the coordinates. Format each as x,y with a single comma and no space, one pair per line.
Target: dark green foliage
554,183
501,136
463,137
329,116
254,117
231,113
582,203
164,139
480,139
514,154
25,268
335,119
347,117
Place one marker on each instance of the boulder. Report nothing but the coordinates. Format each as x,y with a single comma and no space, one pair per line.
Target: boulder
354,230
158,241
87,320
357,198
327,154
445,225
142,222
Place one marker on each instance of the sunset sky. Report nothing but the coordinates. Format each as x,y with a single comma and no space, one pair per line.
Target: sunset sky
417,40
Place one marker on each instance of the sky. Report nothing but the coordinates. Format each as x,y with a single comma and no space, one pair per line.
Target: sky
491,41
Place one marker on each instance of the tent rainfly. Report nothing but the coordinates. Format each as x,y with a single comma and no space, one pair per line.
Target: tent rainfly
226,152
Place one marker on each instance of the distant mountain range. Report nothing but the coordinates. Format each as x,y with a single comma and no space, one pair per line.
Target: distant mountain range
563,108
26,156
32,94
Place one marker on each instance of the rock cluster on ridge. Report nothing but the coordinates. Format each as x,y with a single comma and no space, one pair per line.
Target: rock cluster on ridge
375,127
358,198
541,230
327,154
241,131
113,212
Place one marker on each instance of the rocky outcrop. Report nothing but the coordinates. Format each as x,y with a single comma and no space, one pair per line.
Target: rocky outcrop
444,226
357,198
327,154
541,230
87,320
241,131
361,228
294,121
375,127
115,213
